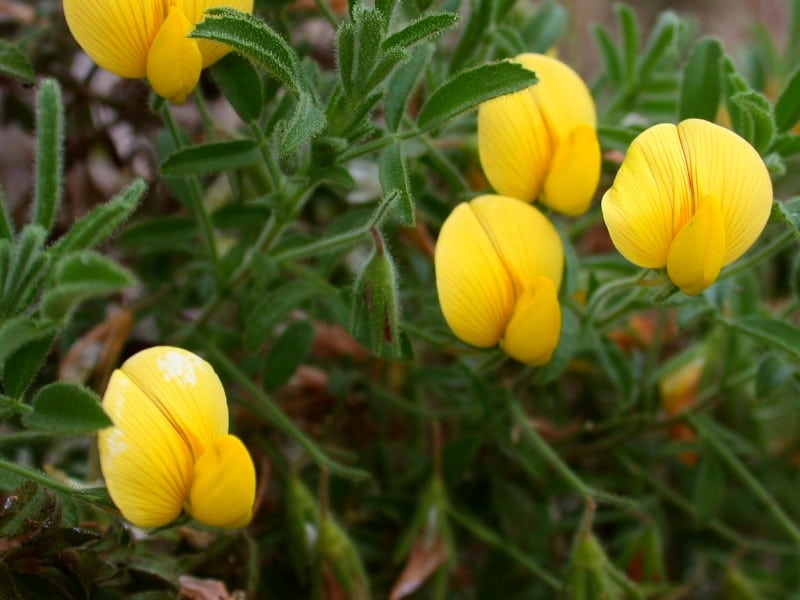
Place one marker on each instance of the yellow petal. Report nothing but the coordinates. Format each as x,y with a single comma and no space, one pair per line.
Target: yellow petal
527,243
561,96
146,464
574,172
513,145
116,34
696,255
223,485
174,61
186,391
533,331
724,165
475,291
651,199
195,11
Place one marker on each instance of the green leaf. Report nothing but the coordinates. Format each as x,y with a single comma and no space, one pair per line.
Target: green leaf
774,333
288,353
616,137
98,225
569,344
388,61
254,39
346,54
709,489
241,86
759,112
28,266
67,409
426,27
612,60
386,8
13,62
630,38
788,213
394,179
265,315
469,88
49,154
403,83
19,331
307,121
6,224
702,85
22,366
478,22
787,109
80,276
211,158
543,30
508,41
659,42
369,31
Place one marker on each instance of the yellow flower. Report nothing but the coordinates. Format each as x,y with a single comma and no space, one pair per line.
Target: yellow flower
499,263
541,143
147,38
169,449
692,197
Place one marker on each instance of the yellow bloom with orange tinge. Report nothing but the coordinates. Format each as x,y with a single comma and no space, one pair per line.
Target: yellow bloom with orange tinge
541,142
148,38
499,264
692,197
169,449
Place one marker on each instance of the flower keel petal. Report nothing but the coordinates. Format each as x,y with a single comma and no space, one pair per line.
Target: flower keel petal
696,256
174,61
532,333
574,173
223,485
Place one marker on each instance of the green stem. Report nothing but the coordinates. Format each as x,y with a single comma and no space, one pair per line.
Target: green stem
601,296
709,436
373,145
36,476
326,11
556,462
687,507
205,114
274,172
756,258
196,193
269,411
338,242
490,537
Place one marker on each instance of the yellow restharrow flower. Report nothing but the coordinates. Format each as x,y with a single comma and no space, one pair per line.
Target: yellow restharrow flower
692,197
499,264
541,143
169,449
147,38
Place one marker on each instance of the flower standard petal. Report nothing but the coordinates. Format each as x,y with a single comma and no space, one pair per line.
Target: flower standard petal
186,390
695,257
174,61
651,198
116,34
532,333
513,145
223,485
724,165
146,464
526,242
475,291
574,172
561,96
195,12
